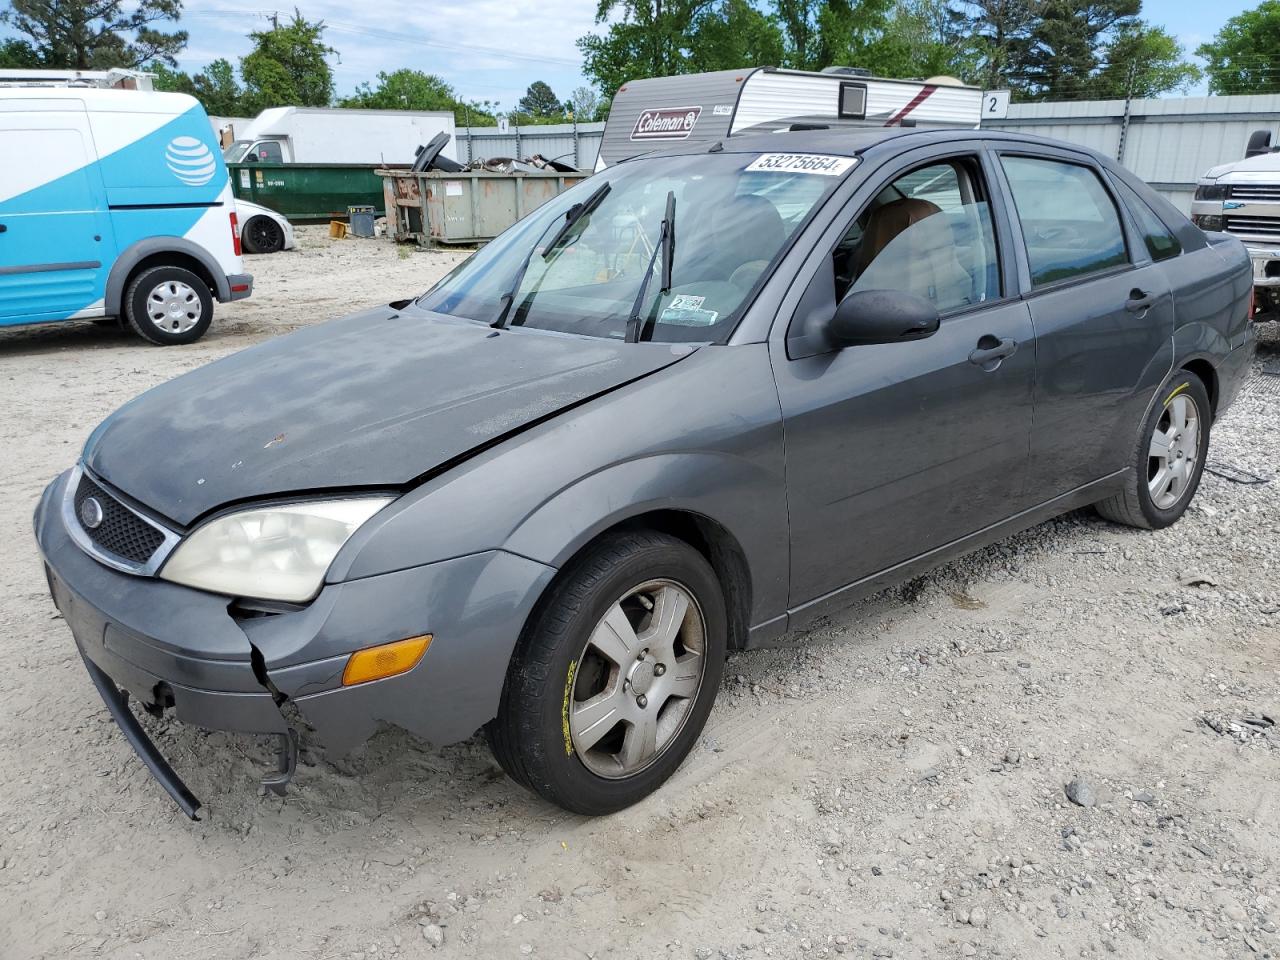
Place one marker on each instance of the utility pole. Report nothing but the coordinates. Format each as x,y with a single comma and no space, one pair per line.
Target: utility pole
1124,122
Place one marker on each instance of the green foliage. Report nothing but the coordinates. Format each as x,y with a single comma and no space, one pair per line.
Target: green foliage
1143,61
215,87
540,102
18,54
1066,43
288,66
583,102
96,34
998,38
414,90
1244,57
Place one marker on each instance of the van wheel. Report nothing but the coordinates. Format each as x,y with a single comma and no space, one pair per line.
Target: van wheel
1169,459
168,305
262,235
615,674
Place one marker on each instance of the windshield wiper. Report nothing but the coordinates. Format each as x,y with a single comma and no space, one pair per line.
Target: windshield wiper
509,297
667,248
576,213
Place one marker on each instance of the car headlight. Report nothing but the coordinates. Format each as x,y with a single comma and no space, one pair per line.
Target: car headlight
1213,191
269,553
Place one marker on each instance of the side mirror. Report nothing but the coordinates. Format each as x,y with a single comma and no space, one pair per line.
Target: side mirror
882,316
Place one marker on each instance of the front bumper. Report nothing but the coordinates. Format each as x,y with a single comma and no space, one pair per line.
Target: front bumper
1266,264
172,647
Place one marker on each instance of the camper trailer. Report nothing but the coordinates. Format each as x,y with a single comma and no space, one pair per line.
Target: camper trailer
662,112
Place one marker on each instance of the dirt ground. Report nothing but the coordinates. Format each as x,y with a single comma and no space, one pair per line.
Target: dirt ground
890,784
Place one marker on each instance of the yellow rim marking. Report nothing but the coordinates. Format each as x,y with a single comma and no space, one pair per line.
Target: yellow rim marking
1169,399
568,691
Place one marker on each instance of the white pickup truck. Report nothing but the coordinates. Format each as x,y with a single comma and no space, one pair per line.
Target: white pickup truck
1243,198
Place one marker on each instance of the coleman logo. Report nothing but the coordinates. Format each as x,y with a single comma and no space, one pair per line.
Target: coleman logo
669,123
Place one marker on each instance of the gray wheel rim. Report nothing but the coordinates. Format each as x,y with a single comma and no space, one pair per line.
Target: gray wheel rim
174,307
636,681
1175,446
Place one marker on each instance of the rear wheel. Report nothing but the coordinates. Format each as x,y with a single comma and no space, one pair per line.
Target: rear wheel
1169,459
262,235
615,674
168,305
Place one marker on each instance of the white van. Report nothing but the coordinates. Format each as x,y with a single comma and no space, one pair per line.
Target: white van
114,203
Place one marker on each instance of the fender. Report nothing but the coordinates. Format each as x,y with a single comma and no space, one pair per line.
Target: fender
730,491
131,256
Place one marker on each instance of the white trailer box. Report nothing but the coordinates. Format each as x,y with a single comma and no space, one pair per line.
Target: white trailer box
323,135
661,112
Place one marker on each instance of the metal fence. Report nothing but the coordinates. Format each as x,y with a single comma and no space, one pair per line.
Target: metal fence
573,143
1168,143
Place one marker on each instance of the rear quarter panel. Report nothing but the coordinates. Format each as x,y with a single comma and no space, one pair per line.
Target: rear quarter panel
1211,290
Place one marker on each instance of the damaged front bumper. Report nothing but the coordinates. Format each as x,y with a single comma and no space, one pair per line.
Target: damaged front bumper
222,668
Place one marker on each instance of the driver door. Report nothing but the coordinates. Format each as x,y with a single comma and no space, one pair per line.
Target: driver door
895,450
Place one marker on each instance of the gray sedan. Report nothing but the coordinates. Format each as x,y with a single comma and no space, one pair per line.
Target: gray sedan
696,402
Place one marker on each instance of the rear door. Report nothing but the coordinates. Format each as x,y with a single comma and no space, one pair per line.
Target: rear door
55,241
1103,315
893,450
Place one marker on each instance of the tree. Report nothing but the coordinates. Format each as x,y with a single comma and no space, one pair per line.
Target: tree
98,34
215,87
287,66
734,34
18,54
823,33
1244,56
999,35
1066,43
923,39
1142,61
539,101
583,102
414,90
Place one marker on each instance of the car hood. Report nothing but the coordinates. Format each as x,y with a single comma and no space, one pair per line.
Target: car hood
377,399
1265,166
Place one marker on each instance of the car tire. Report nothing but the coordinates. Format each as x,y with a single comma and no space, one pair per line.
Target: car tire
168,306
262,235
1153,500
553,732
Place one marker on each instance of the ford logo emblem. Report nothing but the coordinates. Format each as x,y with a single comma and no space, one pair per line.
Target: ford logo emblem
91,513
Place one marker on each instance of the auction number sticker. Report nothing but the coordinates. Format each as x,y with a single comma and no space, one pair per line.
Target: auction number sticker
818,163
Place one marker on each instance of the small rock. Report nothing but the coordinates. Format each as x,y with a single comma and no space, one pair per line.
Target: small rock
433,934
977,917
100,915
967,949
526,949
1144,796
1080,792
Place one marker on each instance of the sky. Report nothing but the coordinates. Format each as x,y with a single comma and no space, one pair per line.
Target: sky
493,49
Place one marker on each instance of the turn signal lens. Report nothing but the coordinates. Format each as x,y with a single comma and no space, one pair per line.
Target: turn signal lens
385,660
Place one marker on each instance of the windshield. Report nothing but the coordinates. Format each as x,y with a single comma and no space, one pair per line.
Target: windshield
734,214
233,153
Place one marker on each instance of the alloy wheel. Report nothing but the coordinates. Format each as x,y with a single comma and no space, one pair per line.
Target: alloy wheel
1175,446
636,681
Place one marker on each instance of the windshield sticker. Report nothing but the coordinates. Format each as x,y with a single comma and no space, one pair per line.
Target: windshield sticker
686,311
686,302
668,123
821,164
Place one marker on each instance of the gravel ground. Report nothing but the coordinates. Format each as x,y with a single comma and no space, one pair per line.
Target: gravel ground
1053,748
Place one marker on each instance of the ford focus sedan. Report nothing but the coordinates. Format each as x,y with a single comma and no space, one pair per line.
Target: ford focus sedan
696,402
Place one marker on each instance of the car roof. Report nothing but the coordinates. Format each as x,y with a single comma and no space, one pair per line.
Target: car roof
855,141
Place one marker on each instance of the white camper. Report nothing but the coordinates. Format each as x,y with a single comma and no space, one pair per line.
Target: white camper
324,135
661,112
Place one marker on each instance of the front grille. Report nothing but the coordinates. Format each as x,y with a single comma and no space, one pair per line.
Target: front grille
122,532
1254,226
1255,191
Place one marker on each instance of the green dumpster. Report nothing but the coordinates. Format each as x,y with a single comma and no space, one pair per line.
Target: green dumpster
308,191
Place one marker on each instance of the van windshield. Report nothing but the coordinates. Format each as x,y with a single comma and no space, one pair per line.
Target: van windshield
734,216
235,152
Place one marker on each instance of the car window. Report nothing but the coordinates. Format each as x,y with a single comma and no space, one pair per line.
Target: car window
930,233
1069,221
1159,239
268,151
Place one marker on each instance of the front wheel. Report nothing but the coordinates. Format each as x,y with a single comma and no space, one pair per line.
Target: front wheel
614,676
262,235
1169,460
168,305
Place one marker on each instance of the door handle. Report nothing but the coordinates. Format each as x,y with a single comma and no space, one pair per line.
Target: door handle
1138,301
990,351
3,228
